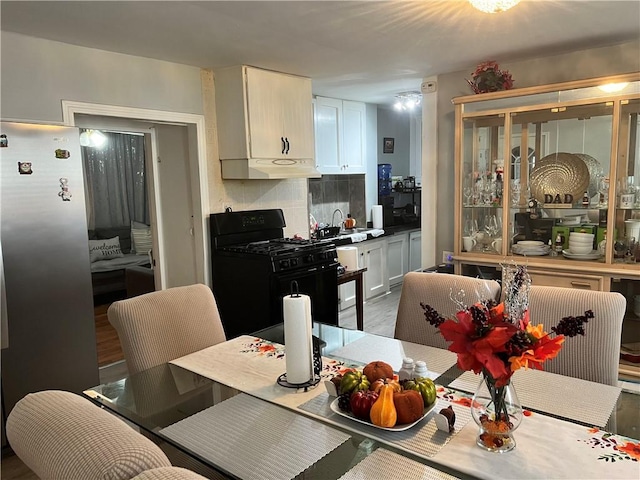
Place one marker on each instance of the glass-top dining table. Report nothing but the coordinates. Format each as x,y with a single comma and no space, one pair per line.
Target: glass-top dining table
223,408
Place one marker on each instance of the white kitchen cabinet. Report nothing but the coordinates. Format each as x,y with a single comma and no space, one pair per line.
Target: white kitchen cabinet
346,295
373,256
328,125
415,251
397,257
354,134
263,114
340,128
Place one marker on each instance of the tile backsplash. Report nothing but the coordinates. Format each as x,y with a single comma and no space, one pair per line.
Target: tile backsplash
346,192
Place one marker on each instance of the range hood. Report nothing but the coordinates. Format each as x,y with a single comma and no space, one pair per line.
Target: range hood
268,169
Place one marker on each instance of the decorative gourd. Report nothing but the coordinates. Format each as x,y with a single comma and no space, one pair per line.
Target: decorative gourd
375,386
383,412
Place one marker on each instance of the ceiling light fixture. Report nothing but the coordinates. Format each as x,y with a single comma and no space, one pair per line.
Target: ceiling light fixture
92,138
493,6
407,101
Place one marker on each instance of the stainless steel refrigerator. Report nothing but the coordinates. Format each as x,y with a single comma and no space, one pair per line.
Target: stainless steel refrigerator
49,336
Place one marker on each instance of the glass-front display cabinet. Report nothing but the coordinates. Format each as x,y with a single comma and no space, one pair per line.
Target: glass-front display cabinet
549,176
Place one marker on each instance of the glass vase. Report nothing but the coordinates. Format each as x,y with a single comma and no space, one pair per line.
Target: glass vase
498,412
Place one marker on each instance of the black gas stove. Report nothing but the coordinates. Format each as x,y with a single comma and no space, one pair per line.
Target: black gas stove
253,267
285,253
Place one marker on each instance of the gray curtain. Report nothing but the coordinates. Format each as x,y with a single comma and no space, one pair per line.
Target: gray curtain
116,181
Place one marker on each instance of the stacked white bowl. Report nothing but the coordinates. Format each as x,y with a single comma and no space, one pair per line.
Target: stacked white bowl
580,243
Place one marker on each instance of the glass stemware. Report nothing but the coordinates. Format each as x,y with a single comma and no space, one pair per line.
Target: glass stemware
515,193
468,193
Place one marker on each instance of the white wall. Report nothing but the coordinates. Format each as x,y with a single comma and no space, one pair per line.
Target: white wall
395,124
38,74
371,156
618,59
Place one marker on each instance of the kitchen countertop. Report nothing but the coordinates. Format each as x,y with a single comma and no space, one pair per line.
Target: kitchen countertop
346,239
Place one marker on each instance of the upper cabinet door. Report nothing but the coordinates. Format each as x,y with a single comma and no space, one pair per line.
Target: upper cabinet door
328,126
280,115
340,127
297,114
265,93
354,115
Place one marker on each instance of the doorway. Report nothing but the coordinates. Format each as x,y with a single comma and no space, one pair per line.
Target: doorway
178,193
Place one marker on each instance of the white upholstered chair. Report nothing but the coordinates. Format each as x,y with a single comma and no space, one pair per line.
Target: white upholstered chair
594,356
61,435
436,289
158,327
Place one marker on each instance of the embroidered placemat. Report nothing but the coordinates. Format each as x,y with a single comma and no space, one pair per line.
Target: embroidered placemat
253,439
386,464
568,397
423,439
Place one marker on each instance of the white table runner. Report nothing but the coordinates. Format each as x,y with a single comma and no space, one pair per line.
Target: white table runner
251,365
253,439
386,464
568,397
545,448
392,351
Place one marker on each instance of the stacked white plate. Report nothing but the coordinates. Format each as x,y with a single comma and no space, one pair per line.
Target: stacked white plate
581,247
530,248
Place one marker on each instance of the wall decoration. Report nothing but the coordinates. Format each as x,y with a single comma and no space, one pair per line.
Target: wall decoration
60,153
64,192
24,168
387,145
4,141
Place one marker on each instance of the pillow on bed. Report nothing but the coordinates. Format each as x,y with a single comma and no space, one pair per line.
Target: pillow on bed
104,249
140,238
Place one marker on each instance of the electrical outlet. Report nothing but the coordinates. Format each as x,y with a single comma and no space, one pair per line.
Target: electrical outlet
447,257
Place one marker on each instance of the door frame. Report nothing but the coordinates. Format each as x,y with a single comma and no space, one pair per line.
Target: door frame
198,169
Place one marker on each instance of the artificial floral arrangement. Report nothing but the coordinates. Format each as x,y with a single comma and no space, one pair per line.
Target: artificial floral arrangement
488,77
498,339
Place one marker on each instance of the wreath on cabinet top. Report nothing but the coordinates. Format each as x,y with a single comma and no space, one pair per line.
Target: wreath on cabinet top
488,77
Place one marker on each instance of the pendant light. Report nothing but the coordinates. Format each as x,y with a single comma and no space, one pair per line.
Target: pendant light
493,6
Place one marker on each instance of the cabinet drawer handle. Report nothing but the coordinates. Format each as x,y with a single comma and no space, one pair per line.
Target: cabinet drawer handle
287,142
283,144
580,284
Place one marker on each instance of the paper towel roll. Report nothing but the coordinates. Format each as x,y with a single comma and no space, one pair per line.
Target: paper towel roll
376,216
348,257
298,340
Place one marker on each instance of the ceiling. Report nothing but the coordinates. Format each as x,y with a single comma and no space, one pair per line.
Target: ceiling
359,50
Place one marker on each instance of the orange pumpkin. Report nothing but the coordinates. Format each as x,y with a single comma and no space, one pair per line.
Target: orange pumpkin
375,386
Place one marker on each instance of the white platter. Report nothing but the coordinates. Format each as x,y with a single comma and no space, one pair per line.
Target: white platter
530,243
531,251
594,255
398,428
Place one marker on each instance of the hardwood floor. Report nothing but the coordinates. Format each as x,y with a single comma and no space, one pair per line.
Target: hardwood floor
107,342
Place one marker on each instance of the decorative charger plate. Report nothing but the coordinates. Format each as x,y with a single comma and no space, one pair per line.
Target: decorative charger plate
594,172
558,174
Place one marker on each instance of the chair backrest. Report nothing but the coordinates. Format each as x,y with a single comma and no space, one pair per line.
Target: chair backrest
158,327
60,434
594,356
437,290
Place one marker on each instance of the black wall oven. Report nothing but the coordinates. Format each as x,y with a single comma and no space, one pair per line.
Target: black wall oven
253,267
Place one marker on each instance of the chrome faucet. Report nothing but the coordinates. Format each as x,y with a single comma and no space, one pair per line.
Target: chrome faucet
333,216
